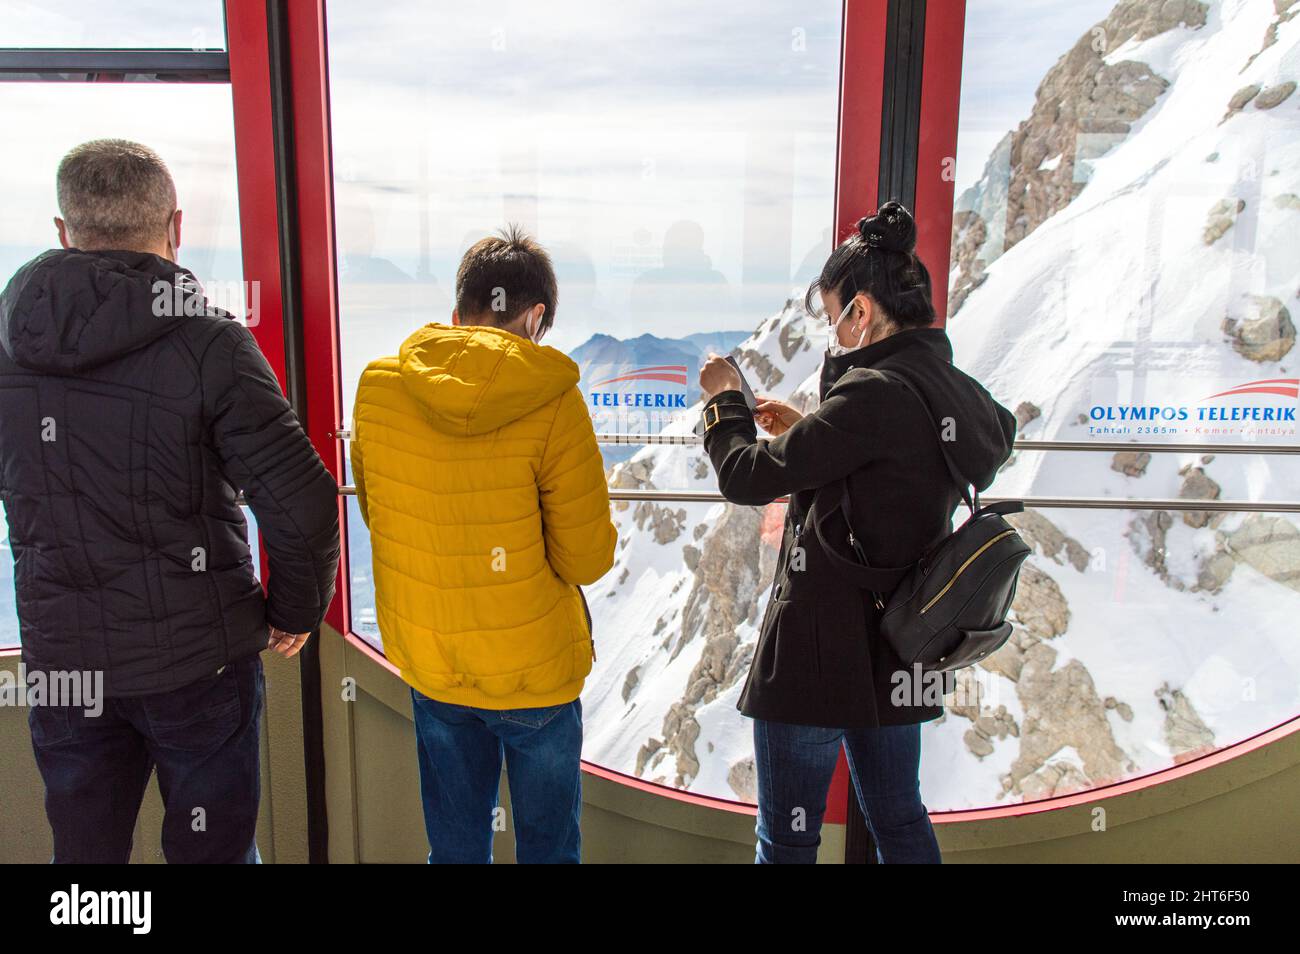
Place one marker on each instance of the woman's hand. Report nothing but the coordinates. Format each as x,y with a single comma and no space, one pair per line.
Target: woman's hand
775,417
717,376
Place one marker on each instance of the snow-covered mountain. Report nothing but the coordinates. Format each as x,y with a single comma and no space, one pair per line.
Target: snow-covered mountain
602,350
1131,245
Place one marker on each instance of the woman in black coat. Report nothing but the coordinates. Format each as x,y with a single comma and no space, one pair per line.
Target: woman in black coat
822,677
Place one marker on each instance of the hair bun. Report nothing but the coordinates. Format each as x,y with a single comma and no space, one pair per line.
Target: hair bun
892,228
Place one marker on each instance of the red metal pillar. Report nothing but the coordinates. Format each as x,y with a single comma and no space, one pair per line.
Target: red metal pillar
307,174
937,153
255,171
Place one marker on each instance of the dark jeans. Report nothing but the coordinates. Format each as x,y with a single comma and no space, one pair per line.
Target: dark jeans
203,739
461,749
795,764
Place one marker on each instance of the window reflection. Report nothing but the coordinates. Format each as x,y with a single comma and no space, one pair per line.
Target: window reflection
90,24
678,160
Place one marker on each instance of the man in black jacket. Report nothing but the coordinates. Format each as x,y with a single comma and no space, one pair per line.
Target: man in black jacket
132,415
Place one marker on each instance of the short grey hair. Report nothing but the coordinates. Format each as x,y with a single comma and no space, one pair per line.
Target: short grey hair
114,193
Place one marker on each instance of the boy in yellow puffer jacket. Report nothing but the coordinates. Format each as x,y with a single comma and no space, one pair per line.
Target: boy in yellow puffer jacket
478,474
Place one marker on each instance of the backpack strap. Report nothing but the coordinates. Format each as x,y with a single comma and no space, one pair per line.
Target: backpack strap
963,486
884,580
878,580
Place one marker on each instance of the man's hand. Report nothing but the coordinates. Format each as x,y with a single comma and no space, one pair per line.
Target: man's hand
775,417
286,644
717,376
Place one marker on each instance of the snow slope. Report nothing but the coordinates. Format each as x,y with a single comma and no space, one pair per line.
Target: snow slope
1116,299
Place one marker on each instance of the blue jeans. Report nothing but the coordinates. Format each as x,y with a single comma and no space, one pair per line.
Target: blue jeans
461,748
202,738
795,764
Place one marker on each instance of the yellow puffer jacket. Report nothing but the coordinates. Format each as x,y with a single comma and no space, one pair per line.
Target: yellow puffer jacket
479,476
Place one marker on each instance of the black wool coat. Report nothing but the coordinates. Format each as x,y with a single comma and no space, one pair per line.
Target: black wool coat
820,658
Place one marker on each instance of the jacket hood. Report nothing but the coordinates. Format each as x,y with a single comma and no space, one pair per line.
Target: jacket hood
475,379
982,430
67,311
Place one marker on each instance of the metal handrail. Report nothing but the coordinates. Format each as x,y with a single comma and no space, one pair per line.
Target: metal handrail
1149,447
1037,503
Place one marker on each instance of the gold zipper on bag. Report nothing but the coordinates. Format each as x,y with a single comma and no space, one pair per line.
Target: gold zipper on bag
969,560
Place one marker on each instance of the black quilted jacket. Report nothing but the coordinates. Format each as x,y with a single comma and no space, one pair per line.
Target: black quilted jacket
124,437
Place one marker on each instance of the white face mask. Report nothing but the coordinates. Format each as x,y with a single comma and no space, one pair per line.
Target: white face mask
833,346
531,329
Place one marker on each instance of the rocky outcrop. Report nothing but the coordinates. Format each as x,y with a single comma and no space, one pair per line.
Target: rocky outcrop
631,681
1222,216
733,570
791,339
743,779
1197,485
1049,540
1266,334
1083,107
1286,11
1147,533
768,374
1056,777
631,474
1131,463
1239,100
1039,605
1062,711
691,557
1275,96
1185,733
1010,659
1122,709
664,523
969,236
680,733
1214,571
1269,544
987,728
1026,412
647,752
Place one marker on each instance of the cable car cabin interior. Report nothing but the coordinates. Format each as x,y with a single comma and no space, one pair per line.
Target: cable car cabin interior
1091,204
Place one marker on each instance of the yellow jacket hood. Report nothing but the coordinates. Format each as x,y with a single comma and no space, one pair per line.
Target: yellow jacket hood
475,379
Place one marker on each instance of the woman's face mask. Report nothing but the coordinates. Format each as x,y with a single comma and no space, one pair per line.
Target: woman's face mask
833,345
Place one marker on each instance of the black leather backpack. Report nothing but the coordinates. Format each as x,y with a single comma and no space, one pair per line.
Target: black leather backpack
948,610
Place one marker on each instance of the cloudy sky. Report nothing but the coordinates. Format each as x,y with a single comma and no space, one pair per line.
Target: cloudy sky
678,157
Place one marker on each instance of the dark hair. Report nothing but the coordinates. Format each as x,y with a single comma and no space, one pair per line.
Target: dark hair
503,276
880,260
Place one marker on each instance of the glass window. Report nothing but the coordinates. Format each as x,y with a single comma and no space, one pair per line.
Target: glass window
1124,268
91,24
197,144
678,160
